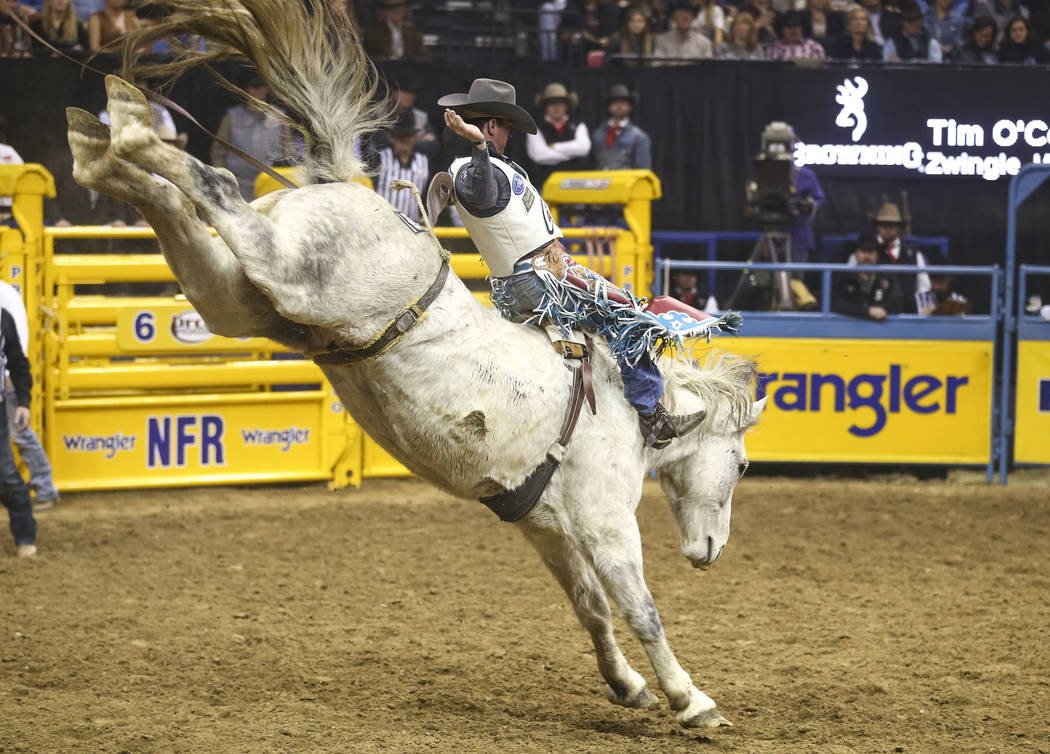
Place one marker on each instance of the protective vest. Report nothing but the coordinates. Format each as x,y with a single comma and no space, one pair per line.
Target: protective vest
523,226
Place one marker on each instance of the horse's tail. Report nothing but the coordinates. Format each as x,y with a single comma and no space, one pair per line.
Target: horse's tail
309,54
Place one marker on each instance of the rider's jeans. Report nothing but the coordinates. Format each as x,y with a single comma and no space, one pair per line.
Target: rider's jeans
642,384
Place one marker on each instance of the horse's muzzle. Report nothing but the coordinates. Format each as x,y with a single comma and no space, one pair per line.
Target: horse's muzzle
707,559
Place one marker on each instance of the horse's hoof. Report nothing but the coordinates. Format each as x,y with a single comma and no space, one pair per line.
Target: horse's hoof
87,125
641,699
709,718
119,90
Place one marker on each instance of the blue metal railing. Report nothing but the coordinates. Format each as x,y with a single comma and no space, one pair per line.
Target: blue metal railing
708,240
1022,186
830,324
827,324
1030,326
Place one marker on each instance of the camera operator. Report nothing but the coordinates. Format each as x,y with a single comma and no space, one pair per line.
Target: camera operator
784,201
784,198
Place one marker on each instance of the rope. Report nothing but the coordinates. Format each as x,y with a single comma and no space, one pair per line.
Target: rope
400,184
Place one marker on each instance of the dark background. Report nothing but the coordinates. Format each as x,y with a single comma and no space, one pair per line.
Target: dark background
705,121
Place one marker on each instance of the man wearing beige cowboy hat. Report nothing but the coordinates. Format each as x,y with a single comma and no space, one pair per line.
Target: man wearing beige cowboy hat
889,224
533,279
561,142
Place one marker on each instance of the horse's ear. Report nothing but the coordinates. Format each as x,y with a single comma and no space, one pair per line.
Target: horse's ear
757,408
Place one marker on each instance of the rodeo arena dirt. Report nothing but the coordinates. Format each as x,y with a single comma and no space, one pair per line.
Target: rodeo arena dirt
845,616
326,485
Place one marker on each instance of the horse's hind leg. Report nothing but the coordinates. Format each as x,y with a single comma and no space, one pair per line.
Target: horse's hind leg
209,274
249,234
626,686
615,551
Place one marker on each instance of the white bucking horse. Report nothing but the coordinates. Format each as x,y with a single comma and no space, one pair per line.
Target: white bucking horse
464,399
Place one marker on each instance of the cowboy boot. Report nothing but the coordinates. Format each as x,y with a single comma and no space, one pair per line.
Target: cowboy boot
660,427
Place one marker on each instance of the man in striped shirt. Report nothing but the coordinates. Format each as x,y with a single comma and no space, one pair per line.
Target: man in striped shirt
401,161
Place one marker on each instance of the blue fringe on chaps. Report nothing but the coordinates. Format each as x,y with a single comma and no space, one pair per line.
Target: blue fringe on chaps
636,338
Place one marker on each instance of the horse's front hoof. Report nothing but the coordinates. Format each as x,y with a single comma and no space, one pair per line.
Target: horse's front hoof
709,718
641,699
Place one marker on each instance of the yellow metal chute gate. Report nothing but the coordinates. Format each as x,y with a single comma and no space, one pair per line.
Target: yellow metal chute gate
135,392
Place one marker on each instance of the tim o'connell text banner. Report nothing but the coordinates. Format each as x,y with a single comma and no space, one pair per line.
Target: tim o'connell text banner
932,122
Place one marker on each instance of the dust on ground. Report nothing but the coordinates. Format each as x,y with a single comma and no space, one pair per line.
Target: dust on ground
844,616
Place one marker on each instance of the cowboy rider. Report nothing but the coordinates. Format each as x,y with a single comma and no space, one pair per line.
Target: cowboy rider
511,225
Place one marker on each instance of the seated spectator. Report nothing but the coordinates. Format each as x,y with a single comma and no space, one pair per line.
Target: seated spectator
980,47
710,20
634,40
884,22
560,142
792,45
109,25
653,10
401,161
14,42
393,36
913,42
29,10
766,19
1002,11
822,24
598,23
685,286
946,26
682,42
59,25
87,8
618,144
1019,46
742,43
866,294
858,42
942,298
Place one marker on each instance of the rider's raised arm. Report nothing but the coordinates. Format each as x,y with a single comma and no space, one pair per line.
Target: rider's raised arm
482,190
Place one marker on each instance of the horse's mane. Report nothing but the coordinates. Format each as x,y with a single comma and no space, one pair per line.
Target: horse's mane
724,382
309,54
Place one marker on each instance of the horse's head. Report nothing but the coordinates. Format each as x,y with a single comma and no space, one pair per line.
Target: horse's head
700,480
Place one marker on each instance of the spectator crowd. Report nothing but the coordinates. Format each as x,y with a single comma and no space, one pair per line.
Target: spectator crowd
629,32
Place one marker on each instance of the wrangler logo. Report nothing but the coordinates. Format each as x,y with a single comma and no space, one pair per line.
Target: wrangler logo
880,394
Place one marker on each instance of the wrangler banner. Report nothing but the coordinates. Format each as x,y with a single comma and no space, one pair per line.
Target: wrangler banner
196,439
878,401
1032,438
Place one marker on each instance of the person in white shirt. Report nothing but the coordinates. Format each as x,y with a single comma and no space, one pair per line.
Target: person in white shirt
25,439
8,156
561,142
